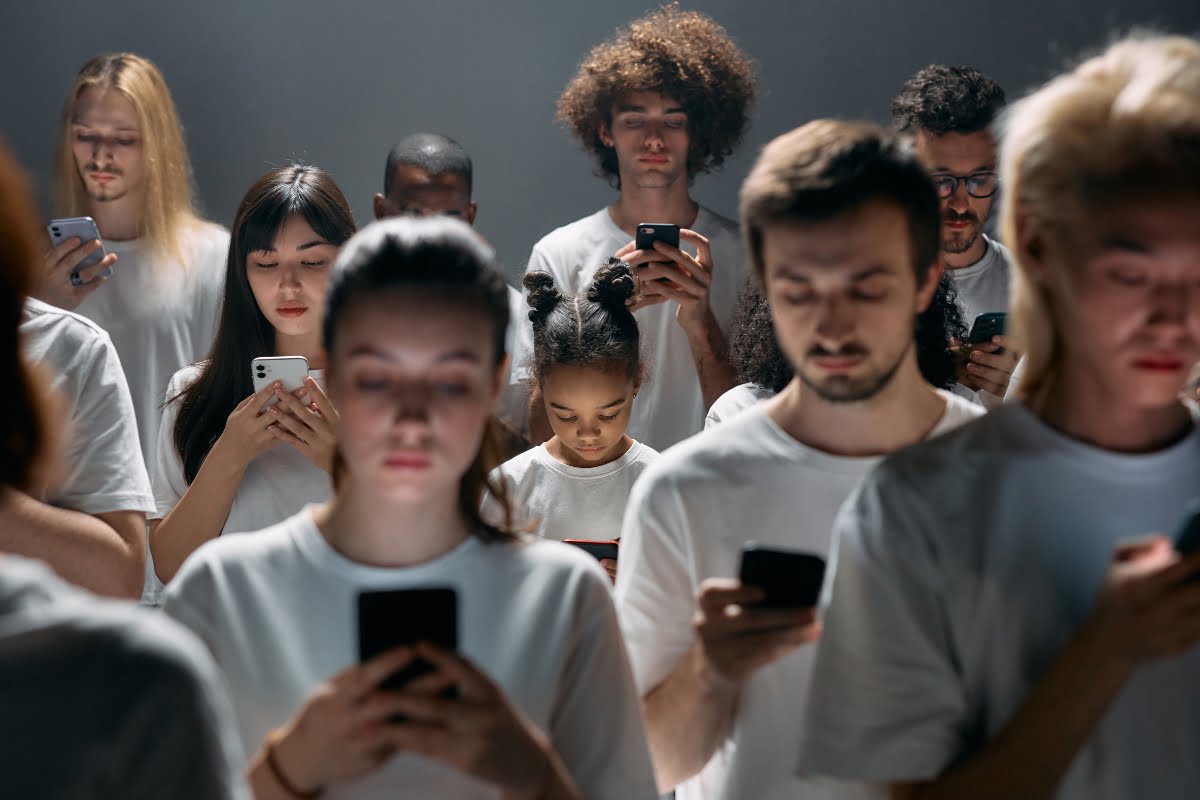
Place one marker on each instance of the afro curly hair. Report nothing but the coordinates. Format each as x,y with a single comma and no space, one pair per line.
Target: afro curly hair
942,99
684,55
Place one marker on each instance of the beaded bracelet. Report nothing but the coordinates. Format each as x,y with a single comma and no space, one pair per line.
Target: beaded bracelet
277,773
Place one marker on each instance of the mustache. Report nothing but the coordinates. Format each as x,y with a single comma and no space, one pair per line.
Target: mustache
97,168
950,215
851,350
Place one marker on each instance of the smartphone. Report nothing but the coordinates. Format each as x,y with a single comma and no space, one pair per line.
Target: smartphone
788,578
650,232
292,370
599,550
393,617
85,228
988,325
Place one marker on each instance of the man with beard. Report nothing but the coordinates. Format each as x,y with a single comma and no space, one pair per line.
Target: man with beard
948,112
840,222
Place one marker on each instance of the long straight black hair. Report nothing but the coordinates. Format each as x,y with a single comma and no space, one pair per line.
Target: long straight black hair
244,333
446,257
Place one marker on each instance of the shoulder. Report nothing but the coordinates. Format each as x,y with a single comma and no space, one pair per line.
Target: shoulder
710,223
185,377
240,554
1004,256
207,247
516,467
558,565
737,399
574,236
67,326
959,411
708,458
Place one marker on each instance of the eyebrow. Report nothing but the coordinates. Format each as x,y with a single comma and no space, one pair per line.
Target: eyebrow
368,350
305,246
948,171
118,128
629,109
1125,244
613,404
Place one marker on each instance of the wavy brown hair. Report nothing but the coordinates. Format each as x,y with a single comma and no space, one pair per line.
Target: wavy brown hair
684,55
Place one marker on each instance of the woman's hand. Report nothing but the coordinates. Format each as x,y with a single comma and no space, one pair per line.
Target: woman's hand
307,420
248,431
343,730
56,286
479,732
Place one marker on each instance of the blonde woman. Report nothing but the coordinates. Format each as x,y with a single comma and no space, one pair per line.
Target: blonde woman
121,160
1009,616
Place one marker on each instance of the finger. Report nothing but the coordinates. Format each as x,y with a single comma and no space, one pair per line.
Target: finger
430,683
93,272
431,741
689,265
292,407
625,251
1007,343
988,379
472,683
998,361
638,258
370,674
290,424
668,276
717,593
701,243
646,302
71,260
317,397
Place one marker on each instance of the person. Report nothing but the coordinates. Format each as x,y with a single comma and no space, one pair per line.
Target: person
765,371
121,159
228,461
147,716
1003,620
658,104
92,519
588,368
840,222
428,174
949,111
544,704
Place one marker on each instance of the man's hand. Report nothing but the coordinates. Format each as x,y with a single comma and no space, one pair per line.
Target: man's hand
668,273
988,367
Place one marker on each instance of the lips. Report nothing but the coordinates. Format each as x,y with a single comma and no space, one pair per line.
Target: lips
102,177
590,451
1160,363
407,461
291,311
653,160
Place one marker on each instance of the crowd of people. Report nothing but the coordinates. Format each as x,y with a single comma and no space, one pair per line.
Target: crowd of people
501,542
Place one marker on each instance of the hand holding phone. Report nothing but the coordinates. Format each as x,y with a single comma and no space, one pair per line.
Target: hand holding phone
289,370
76,264
788,578
598,549
650,232
988,325
1187,538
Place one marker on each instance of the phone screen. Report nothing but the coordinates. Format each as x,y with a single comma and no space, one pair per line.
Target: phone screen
650,232
394,617
788,578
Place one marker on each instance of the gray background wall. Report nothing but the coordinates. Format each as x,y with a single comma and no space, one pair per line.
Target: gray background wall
259,82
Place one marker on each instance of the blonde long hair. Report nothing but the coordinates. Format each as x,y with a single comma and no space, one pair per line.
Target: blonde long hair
168,203
1122,125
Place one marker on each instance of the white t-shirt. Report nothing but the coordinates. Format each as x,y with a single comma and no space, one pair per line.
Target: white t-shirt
102,699
670,407
964,566
744,480
513,406
102,458
565,502
160,325
278,610
275,485
735,401
984,286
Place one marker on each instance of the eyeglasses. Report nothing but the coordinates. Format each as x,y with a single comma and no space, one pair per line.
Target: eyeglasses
979,184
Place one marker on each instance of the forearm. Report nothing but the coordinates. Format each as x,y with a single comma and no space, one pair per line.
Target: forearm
557,783
687,716
198,516
1030,755
711,357
83,549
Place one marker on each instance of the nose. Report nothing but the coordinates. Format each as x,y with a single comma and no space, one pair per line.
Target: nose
289,277
835,321
1171,302
587,430
959,200
410,407
654,140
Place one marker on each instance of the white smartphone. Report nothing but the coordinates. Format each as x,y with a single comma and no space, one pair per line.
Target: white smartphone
291,370
85,228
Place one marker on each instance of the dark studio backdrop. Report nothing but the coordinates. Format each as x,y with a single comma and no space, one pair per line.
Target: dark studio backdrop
260,82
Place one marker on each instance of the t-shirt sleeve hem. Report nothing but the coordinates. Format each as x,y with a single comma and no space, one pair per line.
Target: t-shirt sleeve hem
108,503
873,764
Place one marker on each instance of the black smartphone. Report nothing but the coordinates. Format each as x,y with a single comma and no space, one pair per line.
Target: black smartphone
650,232
988,325
1187,538
394,617
599,550
788,578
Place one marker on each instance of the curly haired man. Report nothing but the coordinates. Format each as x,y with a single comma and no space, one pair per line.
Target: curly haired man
665,99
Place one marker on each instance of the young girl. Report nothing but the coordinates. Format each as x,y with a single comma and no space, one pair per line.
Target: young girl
225,464
587,363
545,705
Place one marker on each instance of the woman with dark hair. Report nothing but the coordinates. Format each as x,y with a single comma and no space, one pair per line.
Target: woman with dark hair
536,699
764,370
226,461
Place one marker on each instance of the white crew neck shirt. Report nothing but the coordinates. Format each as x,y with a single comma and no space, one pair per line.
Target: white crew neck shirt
559,501
744,480
964,566
670,407
160,325
105,699
735,401
278,610
984,286
102,457
275,485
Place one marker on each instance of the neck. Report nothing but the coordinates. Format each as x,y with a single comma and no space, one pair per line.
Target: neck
669,204
967,258
307,345
118,220
1083,410
902,413
368,530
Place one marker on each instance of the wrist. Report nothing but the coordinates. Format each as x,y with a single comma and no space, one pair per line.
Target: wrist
710,681
696,324
226,458
288,767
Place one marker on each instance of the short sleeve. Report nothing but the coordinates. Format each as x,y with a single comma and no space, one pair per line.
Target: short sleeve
169,482
596,725
106,471
888,701
655,592
191,599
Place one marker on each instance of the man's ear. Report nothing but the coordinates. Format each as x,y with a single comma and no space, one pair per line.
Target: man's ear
380,206
928,288
604,132
471,209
